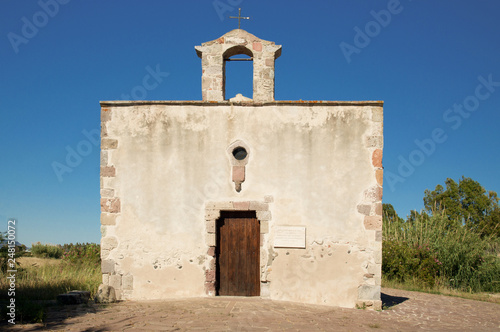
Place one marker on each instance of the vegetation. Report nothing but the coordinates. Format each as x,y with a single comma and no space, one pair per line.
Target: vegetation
46,250
40,280
454,243
451,246
466,204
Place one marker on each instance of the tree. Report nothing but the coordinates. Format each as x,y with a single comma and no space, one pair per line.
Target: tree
390,215
466,203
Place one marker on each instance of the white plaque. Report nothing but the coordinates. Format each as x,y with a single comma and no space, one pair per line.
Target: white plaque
290,237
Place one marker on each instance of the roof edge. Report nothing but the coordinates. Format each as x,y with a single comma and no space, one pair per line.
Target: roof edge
243,103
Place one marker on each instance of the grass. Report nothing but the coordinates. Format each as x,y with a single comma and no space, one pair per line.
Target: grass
440,290
435,253
35,261
40,280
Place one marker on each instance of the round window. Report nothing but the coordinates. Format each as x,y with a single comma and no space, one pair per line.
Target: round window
239,153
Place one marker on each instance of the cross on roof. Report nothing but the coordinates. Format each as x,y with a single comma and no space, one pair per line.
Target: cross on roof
239,17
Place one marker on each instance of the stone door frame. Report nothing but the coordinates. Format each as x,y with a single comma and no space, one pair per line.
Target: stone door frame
212,213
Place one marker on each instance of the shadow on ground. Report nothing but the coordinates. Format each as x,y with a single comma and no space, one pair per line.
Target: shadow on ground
390,301
56,315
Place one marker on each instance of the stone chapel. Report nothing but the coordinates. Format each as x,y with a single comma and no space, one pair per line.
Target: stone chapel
244,196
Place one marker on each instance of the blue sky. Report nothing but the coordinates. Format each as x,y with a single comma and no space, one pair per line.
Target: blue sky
434,63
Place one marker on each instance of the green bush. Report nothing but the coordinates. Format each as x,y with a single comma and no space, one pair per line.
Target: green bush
46,250
82,253
405,262
429,250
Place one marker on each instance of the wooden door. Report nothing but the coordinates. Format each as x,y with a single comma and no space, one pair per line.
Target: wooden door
238,254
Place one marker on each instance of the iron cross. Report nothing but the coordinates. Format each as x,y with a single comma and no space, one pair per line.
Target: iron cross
239,17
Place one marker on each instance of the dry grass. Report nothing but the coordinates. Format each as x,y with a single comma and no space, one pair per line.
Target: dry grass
45,278
441,290
26,262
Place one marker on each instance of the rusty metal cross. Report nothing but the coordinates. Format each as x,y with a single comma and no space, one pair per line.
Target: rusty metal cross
239,17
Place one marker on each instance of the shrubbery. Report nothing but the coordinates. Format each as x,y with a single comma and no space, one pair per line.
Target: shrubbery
429,251
84,253
46,250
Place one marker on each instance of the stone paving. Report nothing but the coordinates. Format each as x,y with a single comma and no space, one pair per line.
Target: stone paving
407,311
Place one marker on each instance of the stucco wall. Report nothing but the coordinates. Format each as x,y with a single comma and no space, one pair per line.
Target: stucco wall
165,169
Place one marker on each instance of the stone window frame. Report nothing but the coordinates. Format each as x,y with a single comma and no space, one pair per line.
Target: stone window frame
212,214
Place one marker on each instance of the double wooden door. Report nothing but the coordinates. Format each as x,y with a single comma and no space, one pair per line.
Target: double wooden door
238,254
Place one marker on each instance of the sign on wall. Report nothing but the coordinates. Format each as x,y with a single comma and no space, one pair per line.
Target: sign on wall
290,237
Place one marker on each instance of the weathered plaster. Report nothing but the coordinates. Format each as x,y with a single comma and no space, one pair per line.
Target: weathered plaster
309,164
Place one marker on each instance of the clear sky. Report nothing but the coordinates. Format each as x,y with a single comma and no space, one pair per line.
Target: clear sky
435,64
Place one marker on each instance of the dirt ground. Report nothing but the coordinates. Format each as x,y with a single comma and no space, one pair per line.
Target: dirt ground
404,311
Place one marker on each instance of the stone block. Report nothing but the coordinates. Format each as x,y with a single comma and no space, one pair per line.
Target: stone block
259,206
212,214
264,226
265,291
374,194
118,293
219,205
377,158
366,292
373,223
104,130
115,281
263,215
211,251
238,173
105,114
107,266
109,243
378,209
107,192
379,175
210,275
104,230
210,240
241,206
210,226
378,256
110,205
108,143
105,279
211,264
74,297
373,269
374,142
105,294
378,236
104,158
108,171
257,46
364,209
128,282
108,219
210,288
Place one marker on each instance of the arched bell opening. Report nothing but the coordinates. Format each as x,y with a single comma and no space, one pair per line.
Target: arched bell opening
238,72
